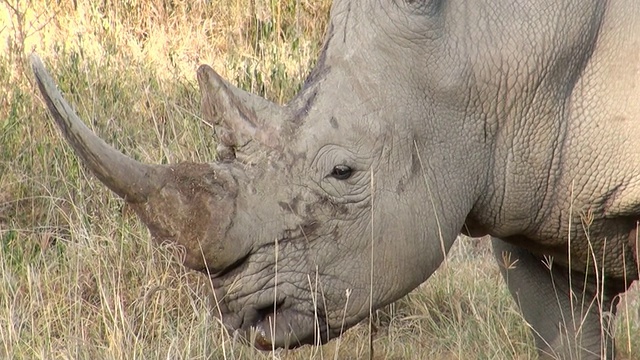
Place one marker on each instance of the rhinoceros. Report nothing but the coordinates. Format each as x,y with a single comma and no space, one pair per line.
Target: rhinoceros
421,119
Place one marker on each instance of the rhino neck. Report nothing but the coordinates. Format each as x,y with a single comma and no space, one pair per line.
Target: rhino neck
525,78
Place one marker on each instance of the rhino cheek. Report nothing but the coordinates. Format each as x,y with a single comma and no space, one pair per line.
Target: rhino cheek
403,250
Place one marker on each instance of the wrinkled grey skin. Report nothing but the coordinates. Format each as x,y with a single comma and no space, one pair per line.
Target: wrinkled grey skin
517,119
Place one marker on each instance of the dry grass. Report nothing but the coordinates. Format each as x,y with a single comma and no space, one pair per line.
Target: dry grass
79,278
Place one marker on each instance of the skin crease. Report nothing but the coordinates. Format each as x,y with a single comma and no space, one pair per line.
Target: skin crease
515,119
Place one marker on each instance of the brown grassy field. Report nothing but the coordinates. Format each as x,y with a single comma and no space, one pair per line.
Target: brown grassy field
79,278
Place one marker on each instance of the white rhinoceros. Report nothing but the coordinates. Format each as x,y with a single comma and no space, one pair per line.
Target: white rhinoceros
518,119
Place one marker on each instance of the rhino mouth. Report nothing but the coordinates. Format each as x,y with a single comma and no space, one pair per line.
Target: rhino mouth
235,268
280,326
276,324
271,319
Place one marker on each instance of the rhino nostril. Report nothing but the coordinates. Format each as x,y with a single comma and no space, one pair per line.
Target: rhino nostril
269,310
231,268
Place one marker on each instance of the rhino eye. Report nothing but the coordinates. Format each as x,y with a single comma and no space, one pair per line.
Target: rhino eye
341,172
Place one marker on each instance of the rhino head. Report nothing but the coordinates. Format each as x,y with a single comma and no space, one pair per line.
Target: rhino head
339,202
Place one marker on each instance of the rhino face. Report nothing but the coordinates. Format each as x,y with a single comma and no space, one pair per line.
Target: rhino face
320,200
320,210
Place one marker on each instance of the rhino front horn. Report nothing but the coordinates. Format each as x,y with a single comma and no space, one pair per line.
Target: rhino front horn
130,179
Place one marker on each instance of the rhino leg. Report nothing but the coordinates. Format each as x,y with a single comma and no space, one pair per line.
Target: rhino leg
568,321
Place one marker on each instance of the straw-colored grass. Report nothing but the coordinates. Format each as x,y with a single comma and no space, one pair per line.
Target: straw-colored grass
79,278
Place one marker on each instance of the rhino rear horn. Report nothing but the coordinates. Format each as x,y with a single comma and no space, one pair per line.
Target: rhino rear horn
130,179
247,116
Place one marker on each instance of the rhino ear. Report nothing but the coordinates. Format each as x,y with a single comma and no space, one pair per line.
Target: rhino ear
241,116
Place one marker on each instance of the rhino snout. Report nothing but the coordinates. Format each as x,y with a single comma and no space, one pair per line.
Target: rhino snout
275,321
195,210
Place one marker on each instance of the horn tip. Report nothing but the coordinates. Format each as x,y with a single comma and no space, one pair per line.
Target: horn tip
207,77
204,68
37,66
35,60
45,82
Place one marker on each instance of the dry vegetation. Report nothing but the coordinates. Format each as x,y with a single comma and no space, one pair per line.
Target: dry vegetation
79,278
